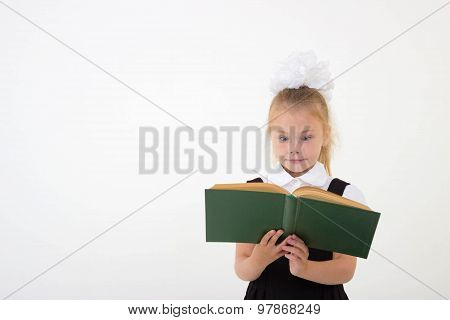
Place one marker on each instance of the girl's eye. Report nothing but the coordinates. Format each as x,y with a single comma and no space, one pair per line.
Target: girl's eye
305,138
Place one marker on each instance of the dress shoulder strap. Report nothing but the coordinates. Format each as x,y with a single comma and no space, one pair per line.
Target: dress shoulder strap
337,186
255,180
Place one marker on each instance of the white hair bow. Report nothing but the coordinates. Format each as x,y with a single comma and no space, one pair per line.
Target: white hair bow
303,69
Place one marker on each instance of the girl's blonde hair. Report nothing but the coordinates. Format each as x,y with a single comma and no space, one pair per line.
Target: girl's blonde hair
288,100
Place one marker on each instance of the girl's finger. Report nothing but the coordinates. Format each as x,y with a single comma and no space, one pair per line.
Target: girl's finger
300,245
292,257
297,238
266,237
280,254
297,252
275,237
283,243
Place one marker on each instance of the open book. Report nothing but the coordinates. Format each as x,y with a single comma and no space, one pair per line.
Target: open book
244,212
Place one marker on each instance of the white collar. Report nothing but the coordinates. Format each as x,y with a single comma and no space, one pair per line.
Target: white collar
316,176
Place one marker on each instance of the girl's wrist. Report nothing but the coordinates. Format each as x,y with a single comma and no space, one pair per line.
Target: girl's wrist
257,263
303,271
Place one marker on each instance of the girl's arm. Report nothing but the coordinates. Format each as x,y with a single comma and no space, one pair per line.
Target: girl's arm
339,270
245,267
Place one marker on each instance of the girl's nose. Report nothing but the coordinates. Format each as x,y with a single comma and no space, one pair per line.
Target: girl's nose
295,147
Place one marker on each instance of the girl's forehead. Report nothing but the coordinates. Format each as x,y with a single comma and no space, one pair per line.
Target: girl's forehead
298,121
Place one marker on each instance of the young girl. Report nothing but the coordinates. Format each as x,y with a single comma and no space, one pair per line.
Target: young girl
301,136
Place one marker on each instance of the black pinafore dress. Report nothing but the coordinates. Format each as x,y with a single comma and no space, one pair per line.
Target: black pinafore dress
277,283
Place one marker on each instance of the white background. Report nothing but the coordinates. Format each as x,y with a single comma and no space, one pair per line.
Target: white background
69,137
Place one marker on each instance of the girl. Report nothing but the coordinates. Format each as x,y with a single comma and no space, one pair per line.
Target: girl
301,135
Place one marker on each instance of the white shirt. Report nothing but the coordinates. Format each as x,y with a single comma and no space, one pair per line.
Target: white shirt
317,176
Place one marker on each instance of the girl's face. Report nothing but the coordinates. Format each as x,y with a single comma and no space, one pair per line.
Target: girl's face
297,138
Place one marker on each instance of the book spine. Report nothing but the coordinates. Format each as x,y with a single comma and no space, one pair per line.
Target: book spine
298,223
290,208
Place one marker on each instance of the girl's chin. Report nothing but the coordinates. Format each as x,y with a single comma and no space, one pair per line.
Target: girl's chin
296,166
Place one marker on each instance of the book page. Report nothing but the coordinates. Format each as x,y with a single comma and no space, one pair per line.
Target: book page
261,187
314,193
324,195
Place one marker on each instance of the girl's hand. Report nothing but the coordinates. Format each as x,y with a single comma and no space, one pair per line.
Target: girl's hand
266,251
298,254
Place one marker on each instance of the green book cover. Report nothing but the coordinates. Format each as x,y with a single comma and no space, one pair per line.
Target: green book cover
245,216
